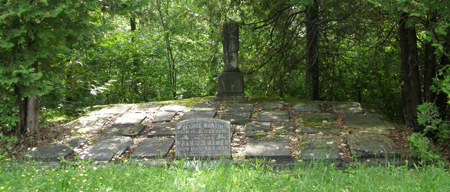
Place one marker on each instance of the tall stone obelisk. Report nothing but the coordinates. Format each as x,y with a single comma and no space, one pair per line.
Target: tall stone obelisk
231,81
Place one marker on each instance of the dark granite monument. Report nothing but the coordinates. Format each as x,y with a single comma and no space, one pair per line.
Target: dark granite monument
203,139
230,82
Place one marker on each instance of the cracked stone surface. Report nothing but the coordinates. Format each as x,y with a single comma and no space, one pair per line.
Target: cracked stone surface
268,148
198,115
163,116
106,148
55,151
306,107
130,118
131,130
347,107
153,148
146,108
269,106
173,107
366,146
163,130
273,116
321,154
115,109
240,107
88,124
237,117
257,129
205,107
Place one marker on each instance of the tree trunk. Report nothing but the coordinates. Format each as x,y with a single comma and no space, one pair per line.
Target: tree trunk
406,84
312,56
414,76
429,65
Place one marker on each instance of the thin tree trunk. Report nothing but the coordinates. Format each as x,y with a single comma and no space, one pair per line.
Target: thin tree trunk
414,76
429,65
312,56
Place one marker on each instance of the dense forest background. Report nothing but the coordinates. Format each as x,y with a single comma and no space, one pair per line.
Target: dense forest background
59,56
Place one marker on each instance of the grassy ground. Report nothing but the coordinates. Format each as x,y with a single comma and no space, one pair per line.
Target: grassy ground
82,176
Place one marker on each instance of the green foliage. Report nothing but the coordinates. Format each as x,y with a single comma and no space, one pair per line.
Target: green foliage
421,147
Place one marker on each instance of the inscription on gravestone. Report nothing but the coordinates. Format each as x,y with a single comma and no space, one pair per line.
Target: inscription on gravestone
203,138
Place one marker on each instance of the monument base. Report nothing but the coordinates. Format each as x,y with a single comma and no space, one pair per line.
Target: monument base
230,87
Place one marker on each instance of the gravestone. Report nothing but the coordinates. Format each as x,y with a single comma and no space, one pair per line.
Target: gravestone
203,138
231,81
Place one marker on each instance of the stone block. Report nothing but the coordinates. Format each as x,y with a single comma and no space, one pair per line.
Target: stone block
306,107
115,109
272,106
153,148
205,107
198,115
257,129
230,87
163,130
146,108
130,130
163,117
130,118
273,116
321,155
55,151
173,107
347,107
366,146
239,107
268,148
105,148
237,117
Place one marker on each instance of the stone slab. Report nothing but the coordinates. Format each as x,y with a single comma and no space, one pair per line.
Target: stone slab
347,107
314,130
105,148
88,124
237,117
198,115
146,108
366,123
319,116
205,107
273,116
130,118
115,109
153,148
321,155
257,129
286,126
163,116
306,107
173,107
268,148
271,106
55,151
240,107
323,143
130,130
366,146
230,87
163,130
203,139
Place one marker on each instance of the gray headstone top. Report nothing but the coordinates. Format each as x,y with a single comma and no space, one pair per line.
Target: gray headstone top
203,138
230,46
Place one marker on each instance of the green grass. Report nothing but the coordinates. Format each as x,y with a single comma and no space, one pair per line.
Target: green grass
231,177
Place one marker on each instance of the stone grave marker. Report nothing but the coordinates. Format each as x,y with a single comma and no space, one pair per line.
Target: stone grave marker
130,130
365,146
205,107
88,124
153,148
198,115
173,107
347,107
55,151
306,107
366,123
146,108
240,107
268,148
203,139
272,106
273,116
115,109
163,116
163,130
106,148
130,118
257,129
237,117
